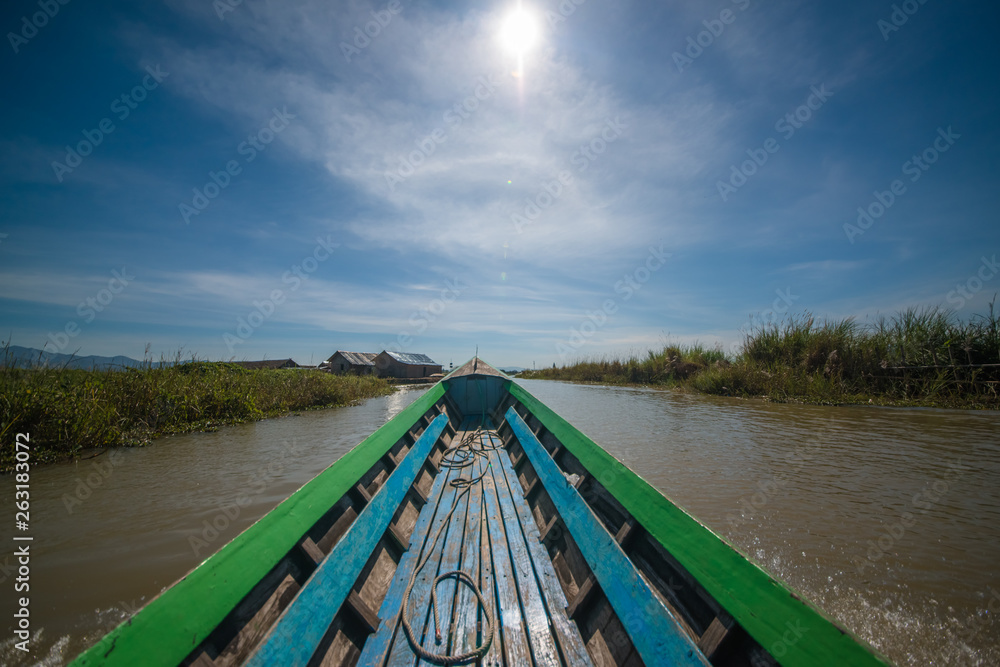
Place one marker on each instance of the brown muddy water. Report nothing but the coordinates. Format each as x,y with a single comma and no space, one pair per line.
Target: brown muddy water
887,519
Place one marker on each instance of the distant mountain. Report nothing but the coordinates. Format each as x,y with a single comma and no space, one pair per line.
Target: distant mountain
28,357
510,370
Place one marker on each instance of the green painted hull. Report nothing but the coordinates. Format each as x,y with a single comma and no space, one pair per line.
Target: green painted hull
772,613
174,624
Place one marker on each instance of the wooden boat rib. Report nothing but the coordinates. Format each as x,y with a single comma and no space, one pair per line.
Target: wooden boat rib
535,545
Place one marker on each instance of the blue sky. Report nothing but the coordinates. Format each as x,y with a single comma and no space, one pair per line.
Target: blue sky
262,179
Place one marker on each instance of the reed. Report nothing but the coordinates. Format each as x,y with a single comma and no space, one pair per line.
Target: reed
66,410
672,364
920,356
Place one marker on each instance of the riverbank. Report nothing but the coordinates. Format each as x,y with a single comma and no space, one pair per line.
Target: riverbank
67,411
916,358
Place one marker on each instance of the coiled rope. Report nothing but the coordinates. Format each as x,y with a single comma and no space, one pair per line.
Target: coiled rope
461,456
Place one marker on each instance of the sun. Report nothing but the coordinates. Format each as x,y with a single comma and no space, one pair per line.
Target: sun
519,32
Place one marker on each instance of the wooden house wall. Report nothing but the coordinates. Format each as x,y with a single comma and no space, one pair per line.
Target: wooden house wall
341,366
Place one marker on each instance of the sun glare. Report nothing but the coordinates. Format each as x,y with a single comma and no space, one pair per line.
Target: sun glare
519,32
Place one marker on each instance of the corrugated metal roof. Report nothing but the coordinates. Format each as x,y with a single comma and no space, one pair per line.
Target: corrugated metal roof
412,358
357,358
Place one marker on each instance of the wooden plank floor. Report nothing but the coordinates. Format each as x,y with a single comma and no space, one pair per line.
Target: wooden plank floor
492,537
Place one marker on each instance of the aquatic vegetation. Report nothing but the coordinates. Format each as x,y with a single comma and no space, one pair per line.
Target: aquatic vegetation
919,356
67,410
670,365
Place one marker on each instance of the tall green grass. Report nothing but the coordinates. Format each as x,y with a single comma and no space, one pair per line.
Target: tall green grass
920,356
68,410
669,365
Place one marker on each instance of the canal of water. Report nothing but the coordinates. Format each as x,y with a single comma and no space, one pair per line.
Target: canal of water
887,519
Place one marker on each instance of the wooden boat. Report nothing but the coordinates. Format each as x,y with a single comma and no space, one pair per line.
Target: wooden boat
478,527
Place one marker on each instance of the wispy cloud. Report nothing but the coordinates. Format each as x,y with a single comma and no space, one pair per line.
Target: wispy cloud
828,266
426,158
